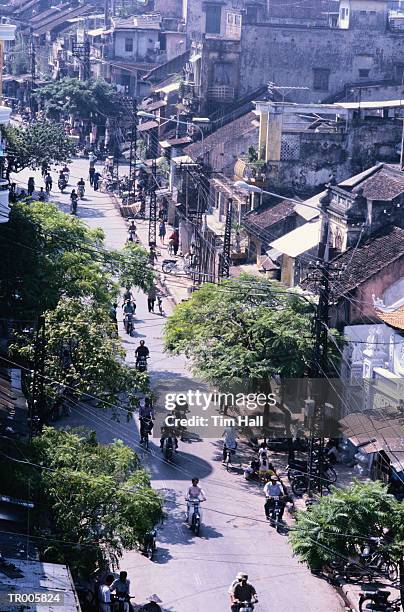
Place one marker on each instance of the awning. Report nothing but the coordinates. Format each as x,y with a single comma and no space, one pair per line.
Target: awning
168,88
147,125
195,58
300,240
98,32
183,159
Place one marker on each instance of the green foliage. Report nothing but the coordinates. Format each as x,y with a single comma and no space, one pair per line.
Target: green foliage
100,498
35,144
249,329
338,524
252,154
82,99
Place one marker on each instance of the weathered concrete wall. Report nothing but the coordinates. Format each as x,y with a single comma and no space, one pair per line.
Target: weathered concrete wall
168,8
320,155
288,56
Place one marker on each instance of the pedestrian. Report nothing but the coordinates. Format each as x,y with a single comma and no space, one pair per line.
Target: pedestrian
41,195
91,173
96,180
48,183
151,298
152,255
31,185
162,231
13,192
105,594
44,168
175,241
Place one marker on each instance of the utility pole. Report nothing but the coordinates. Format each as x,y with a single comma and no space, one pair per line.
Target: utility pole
82,52
133,148
37,401
319,368
224,265
153,206
33,76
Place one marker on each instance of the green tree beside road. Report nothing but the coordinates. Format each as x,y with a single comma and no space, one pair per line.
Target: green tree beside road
36,144
100,498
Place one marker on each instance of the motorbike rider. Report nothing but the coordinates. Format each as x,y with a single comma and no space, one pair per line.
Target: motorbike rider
194,492
132,231
121,586
229,441
81,184
273,489
146,417
141,352
73,199
48,183
62,179
242,591
128,295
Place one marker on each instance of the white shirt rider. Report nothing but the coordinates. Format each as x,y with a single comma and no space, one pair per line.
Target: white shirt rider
194,492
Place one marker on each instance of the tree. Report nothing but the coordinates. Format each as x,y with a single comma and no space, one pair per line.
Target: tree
246,332
50,254
81,99
38,143
100,498
338,524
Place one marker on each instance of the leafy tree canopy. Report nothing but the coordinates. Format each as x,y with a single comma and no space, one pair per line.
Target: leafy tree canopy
82,99
339,523
38,143
245,329
100,497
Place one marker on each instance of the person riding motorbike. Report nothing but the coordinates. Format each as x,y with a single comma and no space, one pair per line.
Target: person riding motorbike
129,309
128,295
66,172
146,417
141,352
242,591
194,492
62,181
121,586
132,236
74,199
81,187
229,441
274,489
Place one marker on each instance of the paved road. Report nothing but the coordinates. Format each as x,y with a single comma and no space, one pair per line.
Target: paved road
192,573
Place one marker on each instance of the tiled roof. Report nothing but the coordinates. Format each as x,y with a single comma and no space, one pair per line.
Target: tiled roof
366,261
385,184
265,216
224,134
393,319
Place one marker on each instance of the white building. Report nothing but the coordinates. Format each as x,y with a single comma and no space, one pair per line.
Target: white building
7,32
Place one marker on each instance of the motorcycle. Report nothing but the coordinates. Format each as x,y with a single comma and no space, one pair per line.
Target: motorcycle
378,601
128,323
275,513
168,449
149,545
146,426
81,191
62,184
246,606
196,516
141,364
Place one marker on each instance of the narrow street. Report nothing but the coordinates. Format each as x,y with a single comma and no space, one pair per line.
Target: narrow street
192,573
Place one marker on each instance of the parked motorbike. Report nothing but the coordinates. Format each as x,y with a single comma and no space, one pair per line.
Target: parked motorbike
149,546
378,601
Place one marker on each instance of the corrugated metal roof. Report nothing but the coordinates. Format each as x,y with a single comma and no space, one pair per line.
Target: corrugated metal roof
370,105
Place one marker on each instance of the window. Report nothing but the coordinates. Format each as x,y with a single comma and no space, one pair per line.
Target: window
213,17
363,13
399,73
251,14
129,45
321,78
344,13
364,73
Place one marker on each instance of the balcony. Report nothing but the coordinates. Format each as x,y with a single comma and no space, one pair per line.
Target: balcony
4,209
221,93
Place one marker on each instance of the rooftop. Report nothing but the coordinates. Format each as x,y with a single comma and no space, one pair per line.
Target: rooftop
358,265
393,319
386,183
300,240
259,221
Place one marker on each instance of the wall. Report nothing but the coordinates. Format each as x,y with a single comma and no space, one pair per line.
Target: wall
168,8
320,155
287,56
175,43
143,43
